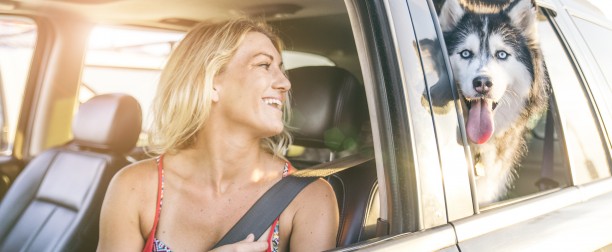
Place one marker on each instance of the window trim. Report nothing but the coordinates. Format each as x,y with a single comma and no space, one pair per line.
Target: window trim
397,176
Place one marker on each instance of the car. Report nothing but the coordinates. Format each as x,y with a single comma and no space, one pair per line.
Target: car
412,186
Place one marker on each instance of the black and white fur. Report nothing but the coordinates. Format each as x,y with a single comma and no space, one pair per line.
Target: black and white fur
498,68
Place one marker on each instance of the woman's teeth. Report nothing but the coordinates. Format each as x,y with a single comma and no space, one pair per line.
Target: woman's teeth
273,102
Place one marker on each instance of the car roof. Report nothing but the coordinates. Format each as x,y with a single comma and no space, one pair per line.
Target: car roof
176,14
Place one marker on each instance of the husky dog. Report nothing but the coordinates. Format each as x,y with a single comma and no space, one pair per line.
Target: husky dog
498,68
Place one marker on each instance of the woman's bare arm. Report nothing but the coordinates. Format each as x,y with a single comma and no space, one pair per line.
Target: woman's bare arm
120,228
315,224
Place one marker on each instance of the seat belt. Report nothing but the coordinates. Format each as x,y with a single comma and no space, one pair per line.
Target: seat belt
267,208
335,166
547,180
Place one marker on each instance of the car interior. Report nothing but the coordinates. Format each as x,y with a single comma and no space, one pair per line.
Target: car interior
75,134
55,202
64,213
337,122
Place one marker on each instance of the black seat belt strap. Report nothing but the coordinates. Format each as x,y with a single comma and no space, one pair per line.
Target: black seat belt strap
267,208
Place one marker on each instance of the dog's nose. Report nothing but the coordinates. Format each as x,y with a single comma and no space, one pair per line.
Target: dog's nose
482,84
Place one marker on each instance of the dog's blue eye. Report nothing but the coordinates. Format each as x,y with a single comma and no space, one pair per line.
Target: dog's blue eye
466,54
501,55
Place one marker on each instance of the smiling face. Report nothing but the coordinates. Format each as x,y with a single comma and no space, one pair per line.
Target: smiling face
252,88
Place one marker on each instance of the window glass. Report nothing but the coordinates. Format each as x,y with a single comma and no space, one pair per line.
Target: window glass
126,60
598,39
583,139
444,108
17,42
532,170
129,60
543,166
527,177
292,59
433,118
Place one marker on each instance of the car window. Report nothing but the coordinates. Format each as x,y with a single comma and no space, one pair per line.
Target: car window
126,60
17,43
544,165
583,137
293,59
578,154
574,153
130,59
597,36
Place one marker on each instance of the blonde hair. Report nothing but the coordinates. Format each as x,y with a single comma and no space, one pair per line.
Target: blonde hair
183,100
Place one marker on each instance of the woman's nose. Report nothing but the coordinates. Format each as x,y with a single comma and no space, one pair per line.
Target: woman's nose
282,82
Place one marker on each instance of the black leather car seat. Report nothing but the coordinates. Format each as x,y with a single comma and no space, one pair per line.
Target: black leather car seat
54,204
330,112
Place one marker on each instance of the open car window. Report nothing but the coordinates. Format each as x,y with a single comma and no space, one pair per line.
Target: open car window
17,42
130,59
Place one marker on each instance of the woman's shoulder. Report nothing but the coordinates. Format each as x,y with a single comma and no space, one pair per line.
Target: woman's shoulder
137,175
319,188
139,168
316,189
318,194
314,217
129,204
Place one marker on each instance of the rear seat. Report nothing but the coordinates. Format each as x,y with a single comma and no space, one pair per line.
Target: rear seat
54,204
330,114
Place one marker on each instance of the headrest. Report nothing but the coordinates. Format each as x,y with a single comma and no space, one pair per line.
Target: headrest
110,122
328,105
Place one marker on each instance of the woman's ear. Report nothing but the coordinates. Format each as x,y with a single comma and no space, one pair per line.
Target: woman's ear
214,96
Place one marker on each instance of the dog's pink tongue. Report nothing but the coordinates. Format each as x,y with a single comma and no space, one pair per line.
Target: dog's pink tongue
480,121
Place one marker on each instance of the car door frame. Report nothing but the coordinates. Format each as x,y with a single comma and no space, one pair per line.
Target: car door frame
412,198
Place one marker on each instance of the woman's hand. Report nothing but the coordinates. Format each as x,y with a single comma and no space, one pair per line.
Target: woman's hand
248,244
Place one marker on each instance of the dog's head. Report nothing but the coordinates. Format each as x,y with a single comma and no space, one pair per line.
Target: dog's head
491,60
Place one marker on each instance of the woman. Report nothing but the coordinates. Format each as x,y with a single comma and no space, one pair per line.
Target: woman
219,127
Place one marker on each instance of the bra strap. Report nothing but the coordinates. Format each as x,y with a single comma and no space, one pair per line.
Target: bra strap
149,244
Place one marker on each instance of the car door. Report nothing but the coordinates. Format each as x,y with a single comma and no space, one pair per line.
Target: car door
428,170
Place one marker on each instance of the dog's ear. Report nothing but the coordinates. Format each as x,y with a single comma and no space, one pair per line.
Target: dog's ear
450,14
523,15
438,5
